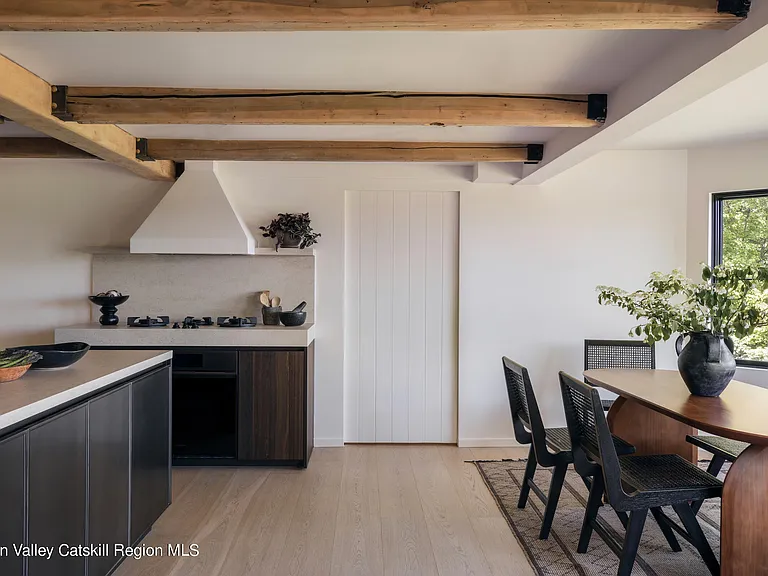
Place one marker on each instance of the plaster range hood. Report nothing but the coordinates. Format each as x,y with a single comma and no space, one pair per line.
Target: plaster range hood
194,217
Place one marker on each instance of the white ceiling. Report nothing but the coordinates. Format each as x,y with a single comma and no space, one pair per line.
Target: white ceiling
736,113
561,61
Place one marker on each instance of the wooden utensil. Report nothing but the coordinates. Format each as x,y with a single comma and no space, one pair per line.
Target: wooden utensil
276,301
264,298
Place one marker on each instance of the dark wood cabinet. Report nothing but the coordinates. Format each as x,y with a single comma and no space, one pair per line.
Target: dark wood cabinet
12,500
57,491
150,459
108,475
274,416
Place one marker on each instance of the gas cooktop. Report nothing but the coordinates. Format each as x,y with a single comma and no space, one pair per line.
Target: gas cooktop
236,322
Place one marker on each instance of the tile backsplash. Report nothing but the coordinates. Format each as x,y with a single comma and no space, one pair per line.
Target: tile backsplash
204,285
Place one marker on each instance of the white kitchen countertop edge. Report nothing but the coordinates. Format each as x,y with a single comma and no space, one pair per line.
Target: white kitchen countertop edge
259,337
31,410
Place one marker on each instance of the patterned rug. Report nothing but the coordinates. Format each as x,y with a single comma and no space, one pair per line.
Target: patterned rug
557,556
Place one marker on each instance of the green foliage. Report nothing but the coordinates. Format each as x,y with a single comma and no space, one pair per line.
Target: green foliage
728,301
745,243
298,225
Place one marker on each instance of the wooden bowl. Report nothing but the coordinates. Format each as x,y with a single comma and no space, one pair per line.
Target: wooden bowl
11,374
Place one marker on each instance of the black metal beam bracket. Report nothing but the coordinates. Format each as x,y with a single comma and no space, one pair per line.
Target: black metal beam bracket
738,8
597,107
59,103
535,153
142,150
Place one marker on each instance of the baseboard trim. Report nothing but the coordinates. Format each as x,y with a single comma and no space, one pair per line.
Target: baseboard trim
488,443
328,442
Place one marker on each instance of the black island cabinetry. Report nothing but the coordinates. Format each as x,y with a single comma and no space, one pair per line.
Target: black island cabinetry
95,472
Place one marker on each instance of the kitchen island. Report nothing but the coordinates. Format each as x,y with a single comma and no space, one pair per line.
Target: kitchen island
85,460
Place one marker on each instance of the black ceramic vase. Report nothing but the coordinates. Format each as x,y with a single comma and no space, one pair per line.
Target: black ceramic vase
706,363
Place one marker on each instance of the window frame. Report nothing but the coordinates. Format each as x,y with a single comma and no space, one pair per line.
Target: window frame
717,244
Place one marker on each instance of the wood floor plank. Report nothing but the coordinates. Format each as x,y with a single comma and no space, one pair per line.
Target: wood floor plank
456,547
217,531
405,538
357,548
503,553
179,523
182,479
260,538
366,510
474,496
309,544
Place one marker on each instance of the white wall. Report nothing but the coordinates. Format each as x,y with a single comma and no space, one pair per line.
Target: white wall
530,260
729,169
51,211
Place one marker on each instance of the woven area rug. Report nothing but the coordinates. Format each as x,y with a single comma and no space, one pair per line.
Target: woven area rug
557,556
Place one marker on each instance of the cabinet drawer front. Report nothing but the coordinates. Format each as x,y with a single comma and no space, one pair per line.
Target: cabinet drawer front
272,405
205,361
12,499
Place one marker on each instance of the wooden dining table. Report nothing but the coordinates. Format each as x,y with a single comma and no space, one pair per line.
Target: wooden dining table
655,411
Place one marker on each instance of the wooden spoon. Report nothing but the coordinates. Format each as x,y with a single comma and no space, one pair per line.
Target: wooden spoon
276,301
264,298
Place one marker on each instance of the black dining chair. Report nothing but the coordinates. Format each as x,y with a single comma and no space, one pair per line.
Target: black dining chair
722,449
621,354
549,447
634,484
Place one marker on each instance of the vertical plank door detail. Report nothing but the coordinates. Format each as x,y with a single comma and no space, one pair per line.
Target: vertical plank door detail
401,316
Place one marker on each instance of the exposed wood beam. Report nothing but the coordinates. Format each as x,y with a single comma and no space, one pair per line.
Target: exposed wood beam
281,150
26,99
39,148
240,15
206,106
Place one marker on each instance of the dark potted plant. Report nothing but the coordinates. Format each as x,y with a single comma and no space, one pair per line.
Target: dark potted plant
729,301
291,231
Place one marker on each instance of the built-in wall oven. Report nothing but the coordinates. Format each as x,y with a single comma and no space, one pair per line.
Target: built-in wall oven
204,405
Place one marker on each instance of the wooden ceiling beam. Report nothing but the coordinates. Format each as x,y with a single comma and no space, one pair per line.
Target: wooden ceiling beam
216,106
257,15
338,151
39,148
26,99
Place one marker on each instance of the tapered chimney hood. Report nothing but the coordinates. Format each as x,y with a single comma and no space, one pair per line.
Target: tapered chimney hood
194,217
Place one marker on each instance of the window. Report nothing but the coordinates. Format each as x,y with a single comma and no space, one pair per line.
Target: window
740,236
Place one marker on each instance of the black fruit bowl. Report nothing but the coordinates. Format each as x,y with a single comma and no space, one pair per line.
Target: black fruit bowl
108,300
293,318
58,355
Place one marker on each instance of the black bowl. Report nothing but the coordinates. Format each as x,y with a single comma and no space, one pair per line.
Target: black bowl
293,318
58,355
108,300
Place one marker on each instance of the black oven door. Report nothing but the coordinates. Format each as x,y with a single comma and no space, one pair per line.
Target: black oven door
204,405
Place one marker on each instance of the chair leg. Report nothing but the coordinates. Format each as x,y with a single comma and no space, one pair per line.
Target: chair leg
594,502
688,518
558,477
632,541
530,470
666,530
715,465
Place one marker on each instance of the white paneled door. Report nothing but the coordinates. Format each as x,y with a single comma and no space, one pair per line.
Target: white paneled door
401,316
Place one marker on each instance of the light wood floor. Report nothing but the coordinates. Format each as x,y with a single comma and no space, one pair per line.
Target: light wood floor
378,510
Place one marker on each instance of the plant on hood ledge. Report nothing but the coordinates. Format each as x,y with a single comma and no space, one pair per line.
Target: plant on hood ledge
291,231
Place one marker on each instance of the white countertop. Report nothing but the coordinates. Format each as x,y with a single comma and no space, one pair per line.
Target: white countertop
41,390
253,337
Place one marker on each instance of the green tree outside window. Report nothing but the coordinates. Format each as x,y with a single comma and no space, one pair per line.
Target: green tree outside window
745,242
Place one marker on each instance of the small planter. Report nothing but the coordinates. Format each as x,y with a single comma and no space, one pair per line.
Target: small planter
287,240
706,363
